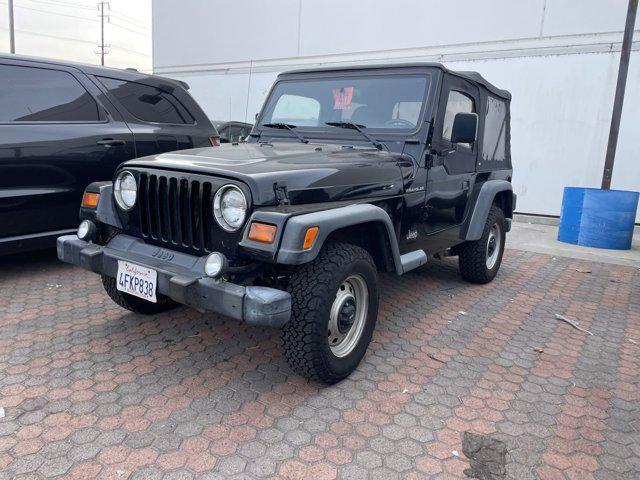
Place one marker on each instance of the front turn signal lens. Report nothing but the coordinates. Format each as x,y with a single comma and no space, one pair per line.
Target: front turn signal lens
310,237
262,232
90,200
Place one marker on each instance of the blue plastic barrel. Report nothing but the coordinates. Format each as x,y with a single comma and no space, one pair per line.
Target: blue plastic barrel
598,218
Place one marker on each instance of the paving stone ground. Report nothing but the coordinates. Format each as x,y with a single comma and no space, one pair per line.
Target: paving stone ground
90,390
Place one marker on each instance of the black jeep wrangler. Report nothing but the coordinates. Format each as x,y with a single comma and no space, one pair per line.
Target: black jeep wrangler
347,172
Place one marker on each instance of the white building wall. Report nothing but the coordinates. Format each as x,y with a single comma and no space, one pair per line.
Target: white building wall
559,59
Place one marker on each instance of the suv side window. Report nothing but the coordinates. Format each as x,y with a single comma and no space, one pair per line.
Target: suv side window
224,134
457,102
495,131
147,103
236,133
33,94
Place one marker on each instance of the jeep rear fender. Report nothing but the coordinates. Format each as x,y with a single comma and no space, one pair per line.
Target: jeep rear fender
329,221
480,203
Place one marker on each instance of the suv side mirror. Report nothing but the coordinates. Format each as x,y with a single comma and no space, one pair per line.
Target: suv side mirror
465,128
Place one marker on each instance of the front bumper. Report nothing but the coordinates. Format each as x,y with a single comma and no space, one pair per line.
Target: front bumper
181,277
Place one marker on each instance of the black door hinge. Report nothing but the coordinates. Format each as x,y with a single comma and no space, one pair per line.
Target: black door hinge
282,196
428,160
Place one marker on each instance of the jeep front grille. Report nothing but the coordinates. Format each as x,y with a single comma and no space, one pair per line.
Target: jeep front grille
175,211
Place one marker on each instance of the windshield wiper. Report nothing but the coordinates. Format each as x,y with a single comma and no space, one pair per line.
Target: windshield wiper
359,128
286,126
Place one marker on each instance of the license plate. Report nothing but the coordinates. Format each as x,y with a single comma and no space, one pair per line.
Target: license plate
137,280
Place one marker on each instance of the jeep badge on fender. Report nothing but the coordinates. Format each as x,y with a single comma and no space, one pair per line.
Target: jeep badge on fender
348,172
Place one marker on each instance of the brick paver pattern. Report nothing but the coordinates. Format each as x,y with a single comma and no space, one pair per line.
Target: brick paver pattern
90,390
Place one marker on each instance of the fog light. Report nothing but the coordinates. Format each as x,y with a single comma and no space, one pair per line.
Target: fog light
215,265
87,230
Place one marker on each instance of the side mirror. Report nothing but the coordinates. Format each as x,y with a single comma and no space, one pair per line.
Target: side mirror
465,128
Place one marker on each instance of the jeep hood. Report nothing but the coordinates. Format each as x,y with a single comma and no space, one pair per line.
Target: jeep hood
310,173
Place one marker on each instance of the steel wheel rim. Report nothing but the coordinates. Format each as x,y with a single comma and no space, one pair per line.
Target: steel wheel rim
493,246
348,316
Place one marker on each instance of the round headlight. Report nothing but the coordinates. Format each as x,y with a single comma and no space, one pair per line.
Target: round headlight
125,190
230,207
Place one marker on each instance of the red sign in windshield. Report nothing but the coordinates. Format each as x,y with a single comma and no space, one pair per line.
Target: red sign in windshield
342,98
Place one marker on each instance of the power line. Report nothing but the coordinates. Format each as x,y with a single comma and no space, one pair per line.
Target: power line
56,37
50,12
62,4
142,26
119,47
144,34
125,16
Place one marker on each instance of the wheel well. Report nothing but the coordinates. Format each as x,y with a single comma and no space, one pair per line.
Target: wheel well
504,200
371,236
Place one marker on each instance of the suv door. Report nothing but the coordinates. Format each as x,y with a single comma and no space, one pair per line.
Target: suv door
162,117
56,137
452,173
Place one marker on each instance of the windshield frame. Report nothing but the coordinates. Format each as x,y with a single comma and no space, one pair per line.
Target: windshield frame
322,131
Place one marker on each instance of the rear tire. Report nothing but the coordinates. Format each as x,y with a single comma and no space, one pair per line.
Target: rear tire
334,311
479,260
131,302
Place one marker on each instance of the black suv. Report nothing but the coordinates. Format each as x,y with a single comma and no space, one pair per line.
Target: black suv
347,172
63,126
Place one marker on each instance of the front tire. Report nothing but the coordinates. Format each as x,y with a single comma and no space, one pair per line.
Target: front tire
131,302
334,311
479,260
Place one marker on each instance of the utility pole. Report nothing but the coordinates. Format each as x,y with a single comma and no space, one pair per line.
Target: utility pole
102,47
12,37
619,95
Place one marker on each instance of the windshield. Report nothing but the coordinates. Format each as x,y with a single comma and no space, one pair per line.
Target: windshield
390,102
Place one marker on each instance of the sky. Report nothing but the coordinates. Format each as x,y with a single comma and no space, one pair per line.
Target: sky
70,30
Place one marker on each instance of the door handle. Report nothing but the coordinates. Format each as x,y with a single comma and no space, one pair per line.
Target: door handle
466,184
111,142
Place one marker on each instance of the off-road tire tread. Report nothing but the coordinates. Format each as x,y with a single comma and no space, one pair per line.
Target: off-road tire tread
310,290
472,260
130,302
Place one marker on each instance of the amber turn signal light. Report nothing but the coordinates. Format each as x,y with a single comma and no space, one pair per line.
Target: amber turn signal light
90,200
310,237
262,232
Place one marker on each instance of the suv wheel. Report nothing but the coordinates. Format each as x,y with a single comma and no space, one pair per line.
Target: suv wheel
480,260
131,302
334,310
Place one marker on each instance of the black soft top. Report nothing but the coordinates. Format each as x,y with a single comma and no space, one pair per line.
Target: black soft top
473,76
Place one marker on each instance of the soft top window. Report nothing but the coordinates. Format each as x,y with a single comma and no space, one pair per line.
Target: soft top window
495,130
377,102
457,102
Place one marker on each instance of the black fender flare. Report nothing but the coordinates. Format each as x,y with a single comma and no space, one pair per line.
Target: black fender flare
328,221
480,203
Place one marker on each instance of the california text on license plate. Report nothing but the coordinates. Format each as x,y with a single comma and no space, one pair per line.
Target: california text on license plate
137,280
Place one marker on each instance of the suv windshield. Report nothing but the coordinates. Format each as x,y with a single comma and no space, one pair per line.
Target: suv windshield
380,102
